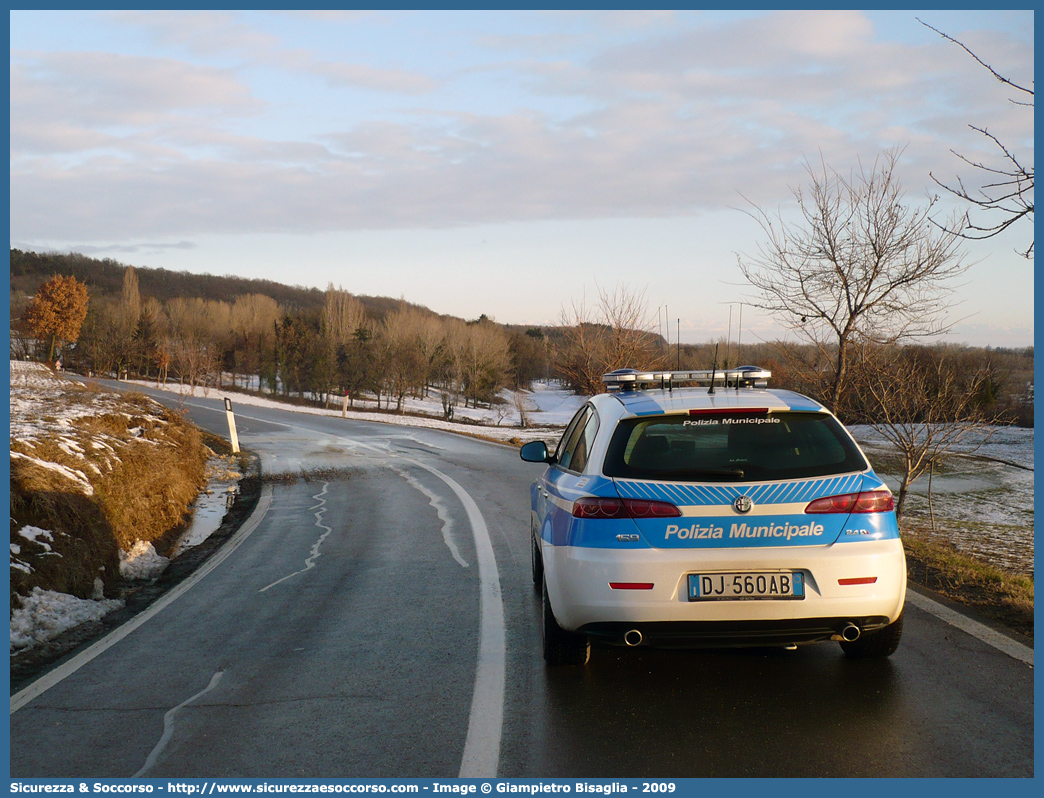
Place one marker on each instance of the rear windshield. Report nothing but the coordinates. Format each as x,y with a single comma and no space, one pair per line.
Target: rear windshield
732,447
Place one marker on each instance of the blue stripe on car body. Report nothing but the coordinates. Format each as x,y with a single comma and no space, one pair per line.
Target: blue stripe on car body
688,495
735,530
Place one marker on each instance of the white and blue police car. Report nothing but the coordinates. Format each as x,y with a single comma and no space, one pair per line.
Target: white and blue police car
720,514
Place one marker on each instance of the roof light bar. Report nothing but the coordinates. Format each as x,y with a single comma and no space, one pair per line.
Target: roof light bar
743,376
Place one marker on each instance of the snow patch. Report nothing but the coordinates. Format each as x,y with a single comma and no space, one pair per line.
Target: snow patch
76,476
45,614
555,406
34,533
141,562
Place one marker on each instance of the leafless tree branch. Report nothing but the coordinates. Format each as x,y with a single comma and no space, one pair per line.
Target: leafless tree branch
978,60
861,266
1012,195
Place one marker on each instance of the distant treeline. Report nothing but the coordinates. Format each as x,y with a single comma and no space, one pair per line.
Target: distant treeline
104,277
998,380
202,329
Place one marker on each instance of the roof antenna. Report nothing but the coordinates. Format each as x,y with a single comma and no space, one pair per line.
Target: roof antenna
728,340
714,368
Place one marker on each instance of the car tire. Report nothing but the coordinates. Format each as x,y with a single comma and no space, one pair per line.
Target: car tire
561,647
537,561
878,644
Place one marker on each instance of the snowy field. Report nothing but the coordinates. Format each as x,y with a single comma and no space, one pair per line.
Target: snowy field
982,499
547,409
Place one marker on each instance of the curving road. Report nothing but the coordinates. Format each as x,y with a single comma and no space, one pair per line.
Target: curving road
376,617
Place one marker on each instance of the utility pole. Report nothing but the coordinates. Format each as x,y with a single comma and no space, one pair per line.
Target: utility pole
739,337
728,339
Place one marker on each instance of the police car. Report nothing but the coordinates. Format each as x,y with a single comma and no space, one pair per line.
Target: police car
724,513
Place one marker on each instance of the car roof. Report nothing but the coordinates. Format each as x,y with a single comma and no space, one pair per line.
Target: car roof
631,404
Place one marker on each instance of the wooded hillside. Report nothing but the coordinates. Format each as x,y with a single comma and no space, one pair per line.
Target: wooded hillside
295,341
104,277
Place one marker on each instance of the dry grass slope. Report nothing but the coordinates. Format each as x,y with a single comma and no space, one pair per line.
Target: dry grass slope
993,593
90,475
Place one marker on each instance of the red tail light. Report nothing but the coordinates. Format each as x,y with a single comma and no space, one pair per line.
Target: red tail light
601,507
874,501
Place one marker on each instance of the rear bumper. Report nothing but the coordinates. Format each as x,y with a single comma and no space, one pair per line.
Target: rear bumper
722,634
578,584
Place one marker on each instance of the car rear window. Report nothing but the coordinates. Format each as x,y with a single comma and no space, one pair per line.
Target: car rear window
724,447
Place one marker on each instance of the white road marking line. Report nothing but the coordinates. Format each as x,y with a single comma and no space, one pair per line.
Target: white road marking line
443,512
50,679
977,630
168,725
315,555
486,721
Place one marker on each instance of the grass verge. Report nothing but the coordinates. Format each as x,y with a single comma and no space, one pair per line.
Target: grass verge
108,471
991,592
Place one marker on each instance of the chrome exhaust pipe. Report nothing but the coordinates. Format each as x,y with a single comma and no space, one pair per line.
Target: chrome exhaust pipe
850,633
633,638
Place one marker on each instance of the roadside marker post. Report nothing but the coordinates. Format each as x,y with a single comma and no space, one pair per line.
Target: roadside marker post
344,410
232,426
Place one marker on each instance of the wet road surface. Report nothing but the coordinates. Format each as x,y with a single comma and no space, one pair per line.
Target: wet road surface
380,620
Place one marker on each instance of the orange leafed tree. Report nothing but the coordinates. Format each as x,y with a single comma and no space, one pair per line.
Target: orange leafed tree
57,311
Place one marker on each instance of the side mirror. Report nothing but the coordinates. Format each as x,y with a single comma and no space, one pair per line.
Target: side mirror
535,452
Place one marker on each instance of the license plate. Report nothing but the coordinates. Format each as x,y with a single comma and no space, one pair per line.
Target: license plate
724,587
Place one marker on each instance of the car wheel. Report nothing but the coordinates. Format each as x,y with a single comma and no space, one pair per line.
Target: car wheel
878,644
562,647
537,561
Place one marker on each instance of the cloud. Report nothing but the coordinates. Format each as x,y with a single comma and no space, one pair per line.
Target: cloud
782,38
81,100
224,34
108,146
202,32
392,80
150,247
334,16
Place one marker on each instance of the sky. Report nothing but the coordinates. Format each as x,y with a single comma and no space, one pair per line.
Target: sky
507,163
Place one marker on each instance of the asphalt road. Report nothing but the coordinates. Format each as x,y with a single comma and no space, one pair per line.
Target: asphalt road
379,619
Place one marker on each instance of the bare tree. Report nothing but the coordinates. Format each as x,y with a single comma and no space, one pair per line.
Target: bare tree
406,366
430,337
522,406
130,301
342,316
253,318
480,361
195,327
925,404
1007,194
616,333
860,266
